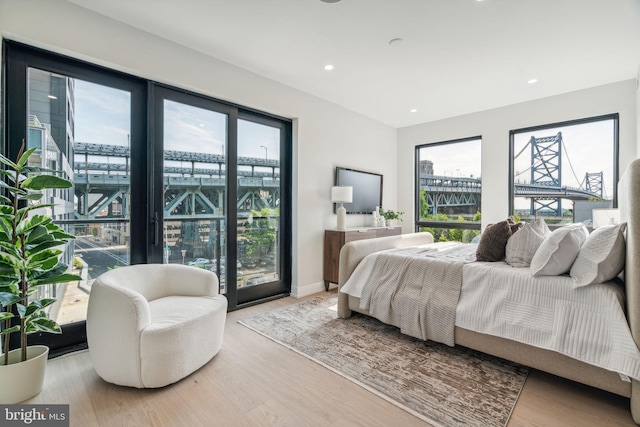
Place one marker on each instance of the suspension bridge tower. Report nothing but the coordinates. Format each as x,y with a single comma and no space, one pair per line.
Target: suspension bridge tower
546,169
593,183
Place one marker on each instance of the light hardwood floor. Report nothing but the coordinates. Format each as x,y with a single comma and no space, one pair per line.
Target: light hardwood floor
256,382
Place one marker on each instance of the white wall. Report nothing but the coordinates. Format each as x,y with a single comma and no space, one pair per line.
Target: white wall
638,111
325,135
494,126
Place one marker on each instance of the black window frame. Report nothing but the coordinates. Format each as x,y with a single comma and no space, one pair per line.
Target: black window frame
418,224
18,57
592,119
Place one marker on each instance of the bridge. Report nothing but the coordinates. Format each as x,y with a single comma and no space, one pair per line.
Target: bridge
544,187
102,183
445,191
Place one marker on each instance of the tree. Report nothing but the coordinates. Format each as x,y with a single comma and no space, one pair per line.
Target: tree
424,206
261,234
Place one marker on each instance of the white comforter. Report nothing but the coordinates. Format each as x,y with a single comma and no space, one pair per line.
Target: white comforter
586,323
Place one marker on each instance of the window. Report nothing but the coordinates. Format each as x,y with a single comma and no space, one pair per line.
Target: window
159,175
563,171
448,189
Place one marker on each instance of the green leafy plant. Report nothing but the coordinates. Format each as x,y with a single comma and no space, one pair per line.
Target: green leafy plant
29,250
390,214
261,234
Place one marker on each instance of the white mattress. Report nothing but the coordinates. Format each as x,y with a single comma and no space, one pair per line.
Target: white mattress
586,323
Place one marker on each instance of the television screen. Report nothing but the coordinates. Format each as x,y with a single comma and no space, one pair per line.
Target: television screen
367,189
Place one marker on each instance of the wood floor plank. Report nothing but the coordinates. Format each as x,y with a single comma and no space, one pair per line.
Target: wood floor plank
254,381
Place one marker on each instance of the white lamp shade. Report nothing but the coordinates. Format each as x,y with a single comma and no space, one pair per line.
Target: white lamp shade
342,194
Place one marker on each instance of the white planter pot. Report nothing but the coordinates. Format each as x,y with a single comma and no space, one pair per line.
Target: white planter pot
23,380
392,222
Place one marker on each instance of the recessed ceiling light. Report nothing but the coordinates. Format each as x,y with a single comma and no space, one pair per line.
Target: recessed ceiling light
329,1
328,67
395,42
532,81
413,110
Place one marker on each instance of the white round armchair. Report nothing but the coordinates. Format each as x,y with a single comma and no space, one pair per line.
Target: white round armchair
151,325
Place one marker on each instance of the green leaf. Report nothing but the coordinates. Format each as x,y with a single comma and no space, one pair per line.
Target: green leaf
6,315
42,182
37,305
32,196
7,298
8,162
9,174
25,158
44,245
44,255
5,200
9,259
11,188
63,235
45,264
7,209
40,275
32,222
46,325
9,248
39,234
10,287
22,310
11,330
63,278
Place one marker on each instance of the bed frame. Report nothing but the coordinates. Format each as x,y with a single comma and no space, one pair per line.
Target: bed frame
544,360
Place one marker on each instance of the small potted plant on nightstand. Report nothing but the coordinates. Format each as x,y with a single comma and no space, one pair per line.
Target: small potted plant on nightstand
391,217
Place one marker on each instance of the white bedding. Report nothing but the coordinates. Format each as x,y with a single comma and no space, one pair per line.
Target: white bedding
587,324
441,250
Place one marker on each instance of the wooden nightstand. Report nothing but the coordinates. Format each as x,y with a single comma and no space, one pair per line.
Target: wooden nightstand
334,240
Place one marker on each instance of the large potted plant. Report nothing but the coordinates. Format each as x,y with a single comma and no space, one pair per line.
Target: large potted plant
30,250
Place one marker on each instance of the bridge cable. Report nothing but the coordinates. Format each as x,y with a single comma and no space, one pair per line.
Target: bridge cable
571,166
523,148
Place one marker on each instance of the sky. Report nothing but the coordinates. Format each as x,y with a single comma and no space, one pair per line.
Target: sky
587,148
102,116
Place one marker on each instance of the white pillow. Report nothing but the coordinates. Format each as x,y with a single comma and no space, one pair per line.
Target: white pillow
522,246
601,257
559,250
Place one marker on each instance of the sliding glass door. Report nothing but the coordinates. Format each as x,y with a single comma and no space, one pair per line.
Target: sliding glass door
159,175
221,193
194,134
258,202
87,126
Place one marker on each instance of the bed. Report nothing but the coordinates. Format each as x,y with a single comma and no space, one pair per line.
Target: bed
571,361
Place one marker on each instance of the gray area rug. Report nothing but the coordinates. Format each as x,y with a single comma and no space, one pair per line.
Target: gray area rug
442,385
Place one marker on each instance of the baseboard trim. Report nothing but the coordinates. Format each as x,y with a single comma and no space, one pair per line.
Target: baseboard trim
308,289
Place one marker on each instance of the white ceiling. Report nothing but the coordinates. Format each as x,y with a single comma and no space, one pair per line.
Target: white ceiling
457,57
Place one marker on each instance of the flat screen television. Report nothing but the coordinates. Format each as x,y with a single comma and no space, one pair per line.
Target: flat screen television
367,189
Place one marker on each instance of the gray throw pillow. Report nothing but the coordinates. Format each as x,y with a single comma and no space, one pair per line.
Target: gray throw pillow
494,240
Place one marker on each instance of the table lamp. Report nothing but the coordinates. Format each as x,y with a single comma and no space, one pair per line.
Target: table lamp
342,195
